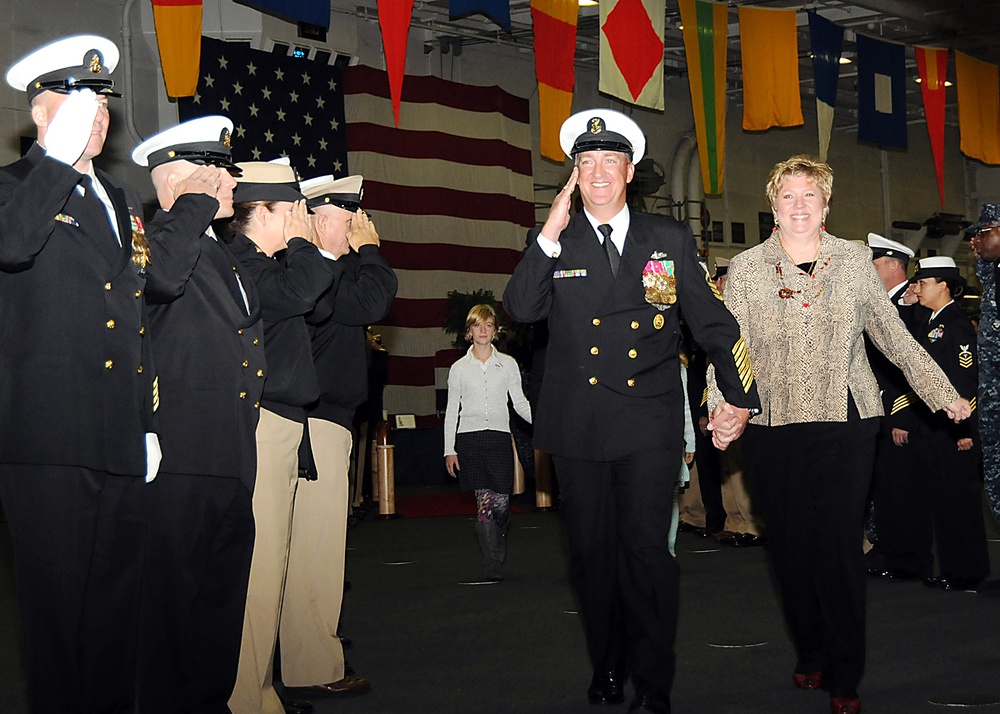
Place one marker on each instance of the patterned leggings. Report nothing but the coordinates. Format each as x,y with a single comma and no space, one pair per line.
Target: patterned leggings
492,506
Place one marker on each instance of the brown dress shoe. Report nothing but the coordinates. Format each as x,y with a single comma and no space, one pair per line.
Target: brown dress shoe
811,680
346,687
845,706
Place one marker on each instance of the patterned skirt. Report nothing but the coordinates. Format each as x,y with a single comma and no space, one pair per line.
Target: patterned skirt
486,460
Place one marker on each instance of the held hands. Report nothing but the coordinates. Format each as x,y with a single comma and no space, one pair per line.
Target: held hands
363,232
558,218
68,132
900,437
727,423
451,463
958,410
205,179
298,224
964,444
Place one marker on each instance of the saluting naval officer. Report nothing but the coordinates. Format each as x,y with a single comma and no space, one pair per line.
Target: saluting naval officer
76,385
275,243
892,491
205,325
312,658
610,283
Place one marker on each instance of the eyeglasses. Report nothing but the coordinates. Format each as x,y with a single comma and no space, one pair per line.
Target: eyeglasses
986,229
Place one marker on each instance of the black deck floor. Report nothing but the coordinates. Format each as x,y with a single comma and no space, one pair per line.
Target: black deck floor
430,643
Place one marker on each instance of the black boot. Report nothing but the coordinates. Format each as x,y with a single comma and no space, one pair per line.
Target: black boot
488,535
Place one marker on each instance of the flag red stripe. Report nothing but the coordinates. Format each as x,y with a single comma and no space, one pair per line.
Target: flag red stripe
433,90
436,145
432,200
408,312
441,256
411,371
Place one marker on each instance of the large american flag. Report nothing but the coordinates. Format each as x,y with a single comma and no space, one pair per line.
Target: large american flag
280,106
450,192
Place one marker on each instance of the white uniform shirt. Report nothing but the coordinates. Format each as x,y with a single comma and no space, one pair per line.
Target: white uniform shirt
477,396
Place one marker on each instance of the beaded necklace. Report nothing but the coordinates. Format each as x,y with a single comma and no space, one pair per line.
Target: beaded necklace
814,269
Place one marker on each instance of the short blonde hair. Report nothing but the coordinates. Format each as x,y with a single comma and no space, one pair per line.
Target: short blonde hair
819,172
478,315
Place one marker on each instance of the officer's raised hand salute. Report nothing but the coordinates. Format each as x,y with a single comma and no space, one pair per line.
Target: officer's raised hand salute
204,179
558,218
78,383
362,231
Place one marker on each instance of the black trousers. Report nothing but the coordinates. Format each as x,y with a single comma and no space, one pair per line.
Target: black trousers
948,501
201,533
706,458
811,483
902,515
617,516
78,556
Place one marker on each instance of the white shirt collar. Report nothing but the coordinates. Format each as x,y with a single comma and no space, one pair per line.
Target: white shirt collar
619,227
938,312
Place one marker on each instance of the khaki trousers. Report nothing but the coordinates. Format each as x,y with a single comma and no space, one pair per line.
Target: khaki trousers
278,441
311,652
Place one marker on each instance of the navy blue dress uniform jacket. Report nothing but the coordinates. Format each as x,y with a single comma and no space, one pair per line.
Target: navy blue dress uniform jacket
209,347
363,293
289,285
897,394
950,339
76,373
612,381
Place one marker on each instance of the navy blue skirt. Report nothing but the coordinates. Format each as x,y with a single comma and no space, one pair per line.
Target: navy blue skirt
486,460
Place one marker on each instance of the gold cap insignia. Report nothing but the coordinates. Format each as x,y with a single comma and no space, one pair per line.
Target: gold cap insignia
596,125
95,63
226,138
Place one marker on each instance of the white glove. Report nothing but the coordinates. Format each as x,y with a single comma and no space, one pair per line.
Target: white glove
69,131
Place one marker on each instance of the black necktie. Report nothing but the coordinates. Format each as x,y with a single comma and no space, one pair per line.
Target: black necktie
610,248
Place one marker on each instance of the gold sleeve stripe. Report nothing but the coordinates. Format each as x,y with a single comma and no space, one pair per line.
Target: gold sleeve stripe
972,403
704,397
156,393
711,284
743,367
902,402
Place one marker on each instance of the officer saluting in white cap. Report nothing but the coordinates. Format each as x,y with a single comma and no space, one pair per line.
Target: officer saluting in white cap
610,282
274,241
79,389
205,324
363,295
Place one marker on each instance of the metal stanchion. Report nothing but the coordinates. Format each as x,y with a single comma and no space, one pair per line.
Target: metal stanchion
518,470
543,481
385,464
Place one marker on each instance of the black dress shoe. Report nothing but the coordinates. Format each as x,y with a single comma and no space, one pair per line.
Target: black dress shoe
935,581
607,686
650,703
892,574
959,584
747,540
294,706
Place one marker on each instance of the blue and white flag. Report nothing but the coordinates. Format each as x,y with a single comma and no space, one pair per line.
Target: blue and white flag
827,41
881,92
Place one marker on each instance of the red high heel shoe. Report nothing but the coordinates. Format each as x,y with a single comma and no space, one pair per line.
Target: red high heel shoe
845,706
813,680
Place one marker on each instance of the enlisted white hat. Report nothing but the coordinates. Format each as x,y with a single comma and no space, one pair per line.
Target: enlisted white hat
205,140
77,62
883,247
273,180
940,267
602,130
327,191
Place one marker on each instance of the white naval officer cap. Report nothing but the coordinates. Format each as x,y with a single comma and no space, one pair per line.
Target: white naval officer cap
343,193
205,140
883,247
273,180
77,62
602,130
